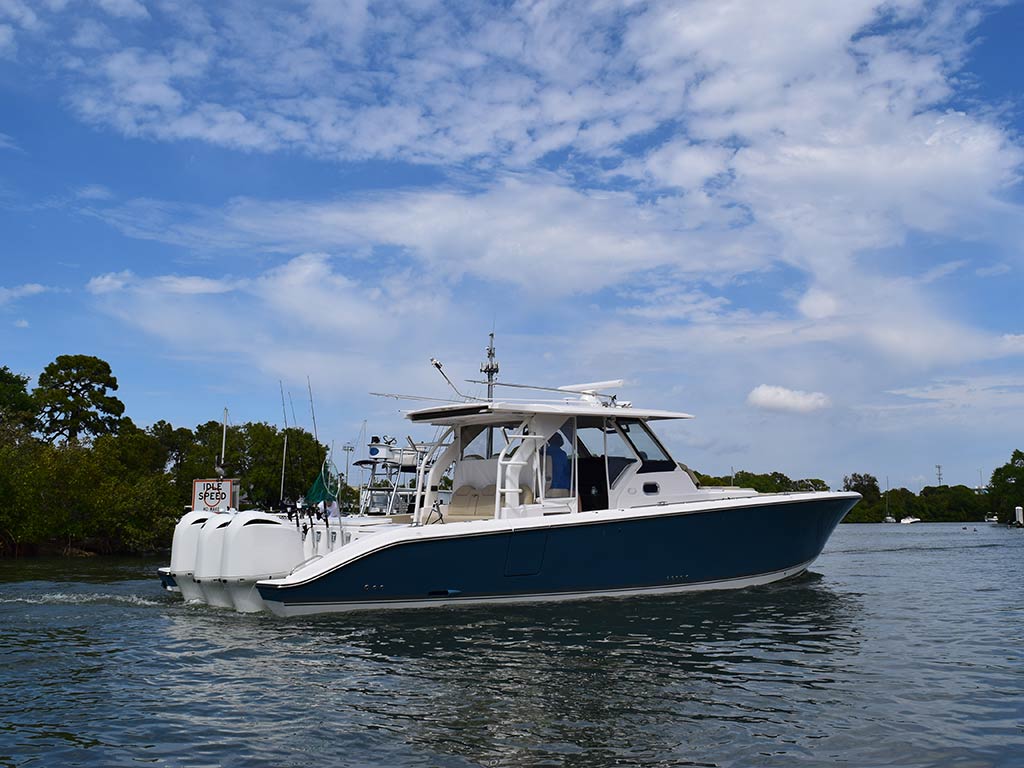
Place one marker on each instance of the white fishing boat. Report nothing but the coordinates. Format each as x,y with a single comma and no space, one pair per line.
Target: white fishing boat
909,519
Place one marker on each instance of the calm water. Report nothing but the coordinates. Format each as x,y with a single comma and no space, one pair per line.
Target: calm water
902,648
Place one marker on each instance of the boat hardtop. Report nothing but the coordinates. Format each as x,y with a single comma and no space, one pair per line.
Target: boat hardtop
470,413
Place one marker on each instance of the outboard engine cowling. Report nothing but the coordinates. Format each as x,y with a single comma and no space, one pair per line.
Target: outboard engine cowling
207,572
183,554
257,545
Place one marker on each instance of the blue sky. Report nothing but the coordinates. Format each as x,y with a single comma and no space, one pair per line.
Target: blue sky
800,221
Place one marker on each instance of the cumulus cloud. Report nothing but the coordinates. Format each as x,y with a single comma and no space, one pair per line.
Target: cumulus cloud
304,316
771,398
713,208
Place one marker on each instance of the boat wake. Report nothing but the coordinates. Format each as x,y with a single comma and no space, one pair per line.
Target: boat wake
66,598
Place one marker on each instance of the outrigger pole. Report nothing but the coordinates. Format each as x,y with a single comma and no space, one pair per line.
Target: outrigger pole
284,454
223,446
311,411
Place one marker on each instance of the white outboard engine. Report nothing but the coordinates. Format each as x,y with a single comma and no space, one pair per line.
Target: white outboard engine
208,560
183,554
257,546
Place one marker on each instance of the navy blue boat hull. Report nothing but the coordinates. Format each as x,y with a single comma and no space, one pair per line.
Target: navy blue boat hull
662,552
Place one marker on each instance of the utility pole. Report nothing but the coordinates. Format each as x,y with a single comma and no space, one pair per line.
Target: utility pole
938,473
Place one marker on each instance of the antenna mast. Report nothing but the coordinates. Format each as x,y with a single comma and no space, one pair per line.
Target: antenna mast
490,367
938,473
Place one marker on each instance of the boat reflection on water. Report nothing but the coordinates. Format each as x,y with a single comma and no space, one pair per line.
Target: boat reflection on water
533,683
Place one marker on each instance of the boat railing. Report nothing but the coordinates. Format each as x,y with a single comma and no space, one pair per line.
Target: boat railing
510,457
430,454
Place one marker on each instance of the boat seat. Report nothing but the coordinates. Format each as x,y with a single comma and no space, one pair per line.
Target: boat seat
526,495
466,505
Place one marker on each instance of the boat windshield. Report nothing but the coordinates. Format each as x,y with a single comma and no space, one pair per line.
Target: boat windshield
598,438
653,457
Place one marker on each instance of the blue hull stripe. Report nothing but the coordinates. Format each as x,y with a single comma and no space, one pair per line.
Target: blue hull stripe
641,553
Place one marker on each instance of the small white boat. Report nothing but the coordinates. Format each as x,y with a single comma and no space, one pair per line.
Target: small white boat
910,519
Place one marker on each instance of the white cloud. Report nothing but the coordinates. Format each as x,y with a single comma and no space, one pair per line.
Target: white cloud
191,285
972,402
20,13
92,34
707,190
8,46
1013,343
8,295
686,165
6,142
94,192
126,9
511,232
771,398
995,270
21,323
302,317
818,304
110,282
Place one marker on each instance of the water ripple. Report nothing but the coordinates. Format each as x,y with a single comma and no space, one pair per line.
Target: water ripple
901,650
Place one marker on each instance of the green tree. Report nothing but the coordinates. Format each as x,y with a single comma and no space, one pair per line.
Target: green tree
72,398
864,484
16,404
1006,488
951,504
